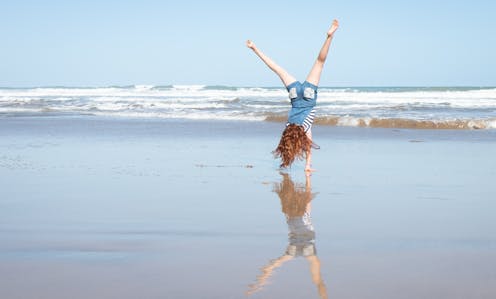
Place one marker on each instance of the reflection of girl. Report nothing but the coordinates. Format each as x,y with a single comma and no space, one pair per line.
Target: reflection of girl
296,140
295,202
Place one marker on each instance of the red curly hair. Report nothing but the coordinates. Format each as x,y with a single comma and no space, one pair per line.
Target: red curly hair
294,144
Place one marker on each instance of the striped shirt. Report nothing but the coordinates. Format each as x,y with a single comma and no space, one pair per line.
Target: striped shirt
307,123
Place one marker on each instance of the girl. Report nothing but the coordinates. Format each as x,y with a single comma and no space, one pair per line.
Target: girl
296,140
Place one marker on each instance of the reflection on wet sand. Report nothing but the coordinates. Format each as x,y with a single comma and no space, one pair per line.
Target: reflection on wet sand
296,206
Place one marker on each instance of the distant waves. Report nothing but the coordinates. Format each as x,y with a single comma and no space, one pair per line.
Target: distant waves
395,107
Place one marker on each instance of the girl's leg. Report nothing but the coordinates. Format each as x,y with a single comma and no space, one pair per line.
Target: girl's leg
314,75
286,78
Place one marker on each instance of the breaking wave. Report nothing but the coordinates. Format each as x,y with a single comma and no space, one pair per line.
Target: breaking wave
387,107
404,123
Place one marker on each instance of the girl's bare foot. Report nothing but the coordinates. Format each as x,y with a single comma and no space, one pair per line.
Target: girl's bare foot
250,44
334,27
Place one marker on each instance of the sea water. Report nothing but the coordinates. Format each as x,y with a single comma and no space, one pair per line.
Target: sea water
402,107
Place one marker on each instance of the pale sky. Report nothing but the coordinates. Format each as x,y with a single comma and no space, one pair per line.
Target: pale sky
379,43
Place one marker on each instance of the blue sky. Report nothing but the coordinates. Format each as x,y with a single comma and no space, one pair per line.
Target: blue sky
379,43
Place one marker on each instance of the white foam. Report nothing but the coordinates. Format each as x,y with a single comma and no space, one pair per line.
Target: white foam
348,121
491,124
460,99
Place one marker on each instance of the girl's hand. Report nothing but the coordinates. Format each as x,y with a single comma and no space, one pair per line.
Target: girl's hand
334,27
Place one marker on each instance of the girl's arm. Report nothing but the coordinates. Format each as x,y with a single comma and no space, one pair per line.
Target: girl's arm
308,163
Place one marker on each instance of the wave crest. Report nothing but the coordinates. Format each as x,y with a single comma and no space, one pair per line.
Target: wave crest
399,123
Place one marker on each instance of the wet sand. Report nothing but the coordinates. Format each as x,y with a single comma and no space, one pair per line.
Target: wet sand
112,208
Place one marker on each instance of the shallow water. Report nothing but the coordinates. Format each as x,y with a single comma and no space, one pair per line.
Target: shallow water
114,208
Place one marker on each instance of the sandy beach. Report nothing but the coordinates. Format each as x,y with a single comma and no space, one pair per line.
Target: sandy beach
101,207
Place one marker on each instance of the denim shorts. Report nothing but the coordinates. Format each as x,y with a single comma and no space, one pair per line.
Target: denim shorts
303,98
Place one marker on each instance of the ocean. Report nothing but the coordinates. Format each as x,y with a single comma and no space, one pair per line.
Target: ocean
387,107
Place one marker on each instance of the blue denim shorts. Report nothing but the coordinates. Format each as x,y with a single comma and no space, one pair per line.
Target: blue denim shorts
303,98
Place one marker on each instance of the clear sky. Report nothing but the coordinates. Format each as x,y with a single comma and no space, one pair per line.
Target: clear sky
379,43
